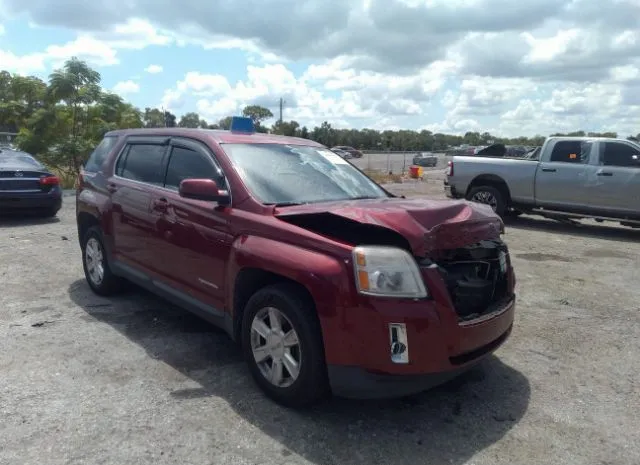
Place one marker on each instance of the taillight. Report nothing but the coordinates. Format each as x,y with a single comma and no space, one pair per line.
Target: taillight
449,170
49,181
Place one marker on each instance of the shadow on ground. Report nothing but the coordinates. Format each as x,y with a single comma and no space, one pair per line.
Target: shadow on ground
608,231
18,220
448,424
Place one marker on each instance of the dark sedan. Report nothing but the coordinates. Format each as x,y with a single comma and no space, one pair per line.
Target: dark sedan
355,153
425,159
26,185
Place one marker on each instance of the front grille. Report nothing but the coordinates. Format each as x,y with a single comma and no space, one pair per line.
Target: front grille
475,277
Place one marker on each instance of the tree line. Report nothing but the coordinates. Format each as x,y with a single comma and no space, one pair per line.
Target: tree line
63,119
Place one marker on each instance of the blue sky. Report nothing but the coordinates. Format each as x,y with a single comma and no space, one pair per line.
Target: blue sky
442,66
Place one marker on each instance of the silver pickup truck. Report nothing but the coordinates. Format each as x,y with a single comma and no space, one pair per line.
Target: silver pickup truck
568,178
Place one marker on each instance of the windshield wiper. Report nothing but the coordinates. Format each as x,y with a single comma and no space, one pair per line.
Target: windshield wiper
286,204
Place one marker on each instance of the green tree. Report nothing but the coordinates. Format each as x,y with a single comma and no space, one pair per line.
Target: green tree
190,120
286,128
257,113
77,85
153,118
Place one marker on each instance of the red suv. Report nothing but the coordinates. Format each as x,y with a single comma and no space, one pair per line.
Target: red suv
330,283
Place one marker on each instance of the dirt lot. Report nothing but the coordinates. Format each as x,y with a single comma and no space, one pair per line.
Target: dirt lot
134,380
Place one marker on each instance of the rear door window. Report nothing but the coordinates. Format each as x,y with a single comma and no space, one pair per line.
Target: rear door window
619,154
142,163
571,151
99,154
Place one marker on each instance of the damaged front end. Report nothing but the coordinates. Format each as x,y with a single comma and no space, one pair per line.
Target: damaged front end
458,238
477,277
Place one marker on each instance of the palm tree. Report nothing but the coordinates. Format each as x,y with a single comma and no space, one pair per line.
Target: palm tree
75,84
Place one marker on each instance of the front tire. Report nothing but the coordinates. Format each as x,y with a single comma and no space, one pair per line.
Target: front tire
488,195
97,271
282,344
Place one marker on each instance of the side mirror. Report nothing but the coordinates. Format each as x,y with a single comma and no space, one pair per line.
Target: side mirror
203,189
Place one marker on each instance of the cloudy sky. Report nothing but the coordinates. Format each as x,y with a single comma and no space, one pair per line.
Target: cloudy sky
504,66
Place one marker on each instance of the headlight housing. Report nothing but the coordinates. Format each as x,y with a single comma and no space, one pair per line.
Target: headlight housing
387,272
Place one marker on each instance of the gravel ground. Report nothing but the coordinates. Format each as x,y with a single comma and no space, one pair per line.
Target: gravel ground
134,380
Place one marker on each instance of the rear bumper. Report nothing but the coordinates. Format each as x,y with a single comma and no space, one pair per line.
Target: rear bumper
16,201
450,191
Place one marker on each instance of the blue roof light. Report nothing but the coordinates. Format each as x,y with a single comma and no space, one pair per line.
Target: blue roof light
242,124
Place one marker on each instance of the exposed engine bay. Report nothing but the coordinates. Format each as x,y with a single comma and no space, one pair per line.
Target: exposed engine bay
476,277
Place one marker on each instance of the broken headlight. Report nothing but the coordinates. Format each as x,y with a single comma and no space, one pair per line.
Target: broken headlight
387,272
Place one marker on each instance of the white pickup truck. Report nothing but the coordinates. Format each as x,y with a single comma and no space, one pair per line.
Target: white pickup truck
568,178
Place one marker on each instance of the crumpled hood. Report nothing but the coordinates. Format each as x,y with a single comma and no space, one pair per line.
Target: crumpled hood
427,224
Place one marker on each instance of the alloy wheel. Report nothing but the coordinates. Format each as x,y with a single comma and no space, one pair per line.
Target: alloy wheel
276,347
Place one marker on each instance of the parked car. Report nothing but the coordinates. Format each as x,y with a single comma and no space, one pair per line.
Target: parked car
355,153
343,153
568,177
425,159
329,283
26,185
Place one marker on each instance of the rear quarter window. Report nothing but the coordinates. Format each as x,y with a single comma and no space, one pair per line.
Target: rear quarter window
100,153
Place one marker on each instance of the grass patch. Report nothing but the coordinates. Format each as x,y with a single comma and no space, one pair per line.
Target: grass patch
383,178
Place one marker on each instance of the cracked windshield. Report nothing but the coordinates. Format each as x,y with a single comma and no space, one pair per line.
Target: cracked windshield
320,232
286,174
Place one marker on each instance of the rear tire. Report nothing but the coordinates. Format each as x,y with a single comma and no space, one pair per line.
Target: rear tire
96,267
286,358
488,195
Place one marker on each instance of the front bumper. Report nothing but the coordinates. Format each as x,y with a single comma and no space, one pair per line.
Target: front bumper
19,201
358,383
440,347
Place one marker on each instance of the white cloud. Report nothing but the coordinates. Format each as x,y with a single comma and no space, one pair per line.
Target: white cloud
314,96
456,65
153,69
95,52
126,87
25,64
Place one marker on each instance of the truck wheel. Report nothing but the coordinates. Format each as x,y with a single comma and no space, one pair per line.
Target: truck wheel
282,344
96,267
488,195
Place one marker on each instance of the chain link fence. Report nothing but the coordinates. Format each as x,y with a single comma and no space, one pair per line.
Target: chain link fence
396,162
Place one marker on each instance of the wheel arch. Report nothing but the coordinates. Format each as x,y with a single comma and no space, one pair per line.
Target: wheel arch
250,280
492,180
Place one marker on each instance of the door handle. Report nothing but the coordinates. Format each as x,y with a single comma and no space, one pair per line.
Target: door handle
604,173
549,170
111,187
160,204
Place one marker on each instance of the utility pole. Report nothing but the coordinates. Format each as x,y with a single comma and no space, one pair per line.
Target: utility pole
281,104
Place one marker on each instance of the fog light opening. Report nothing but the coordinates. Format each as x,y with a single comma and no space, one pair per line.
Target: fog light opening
399,345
